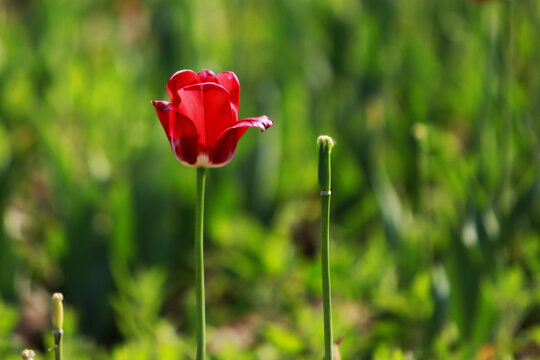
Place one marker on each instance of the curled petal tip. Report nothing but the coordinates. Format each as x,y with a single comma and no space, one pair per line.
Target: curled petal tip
162,106
265,122
262,122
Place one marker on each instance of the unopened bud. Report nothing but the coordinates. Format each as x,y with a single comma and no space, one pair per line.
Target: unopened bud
325,148
57,315
28,354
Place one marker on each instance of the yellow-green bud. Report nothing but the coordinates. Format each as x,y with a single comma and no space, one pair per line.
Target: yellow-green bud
325,148
57,315
28,354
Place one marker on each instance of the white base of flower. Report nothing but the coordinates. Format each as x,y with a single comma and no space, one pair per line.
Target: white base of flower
202,161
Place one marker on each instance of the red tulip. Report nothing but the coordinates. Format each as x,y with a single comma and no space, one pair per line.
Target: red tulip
201,121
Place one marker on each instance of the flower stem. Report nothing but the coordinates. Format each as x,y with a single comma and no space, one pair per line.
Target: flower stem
57,320
325,146
325,263
199,266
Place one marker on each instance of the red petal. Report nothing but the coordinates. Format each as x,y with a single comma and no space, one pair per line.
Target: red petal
230,82
179,80
208,106
263,122
180,131
228,139
207,76
162,108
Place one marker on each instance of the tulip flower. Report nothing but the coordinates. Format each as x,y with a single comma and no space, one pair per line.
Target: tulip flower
202,126
201,120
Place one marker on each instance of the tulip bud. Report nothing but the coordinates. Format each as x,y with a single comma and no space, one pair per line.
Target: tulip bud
325,148
57,315
28,354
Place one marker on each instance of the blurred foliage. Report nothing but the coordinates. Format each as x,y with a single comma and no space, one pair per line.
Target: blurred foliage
435,215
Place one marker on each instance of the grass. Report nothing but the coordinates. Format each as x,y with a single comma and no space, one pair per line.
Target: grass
435,212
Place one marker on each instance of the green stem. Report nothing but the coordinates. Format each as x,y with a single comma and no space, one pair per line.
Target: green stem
199,266
58,348
325,264
325,176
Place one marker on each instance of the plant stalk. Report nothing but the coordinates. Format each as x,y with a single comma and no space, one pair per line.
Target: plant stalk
325,264
199,265
325,146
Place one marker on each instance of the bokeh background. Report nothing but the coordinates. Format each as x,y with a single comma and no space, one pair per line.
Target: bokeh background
435,247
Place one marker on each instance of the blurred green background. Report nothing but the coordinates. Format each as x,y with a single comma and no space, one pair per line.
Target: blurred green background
435,247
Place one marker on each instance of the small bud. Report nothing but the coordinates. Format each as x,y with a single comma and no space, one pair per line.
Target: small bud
28,354
325,140
57,315
325,148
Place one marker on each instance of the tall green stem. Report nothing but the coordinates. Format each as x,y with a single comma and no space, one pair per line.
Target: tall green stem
325,264
325,146
199,266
